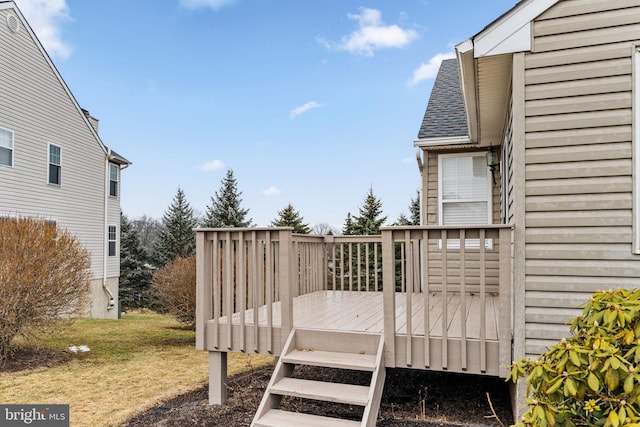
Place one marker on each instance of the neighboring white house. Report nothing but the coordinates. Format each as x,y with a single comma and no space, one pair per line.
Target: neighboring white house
53,164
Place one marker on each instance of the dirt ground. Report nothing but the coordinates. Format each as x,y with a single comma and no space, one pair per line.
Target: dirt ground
411,398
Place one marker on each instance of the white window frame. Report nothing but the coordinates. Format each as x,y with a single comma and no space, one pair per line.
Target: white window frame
11,148
489,193
112,238
454,244
112,167
49,164
636,150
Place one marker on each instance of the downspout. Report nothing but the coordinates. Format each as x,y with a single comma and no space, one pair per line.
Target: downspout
112,302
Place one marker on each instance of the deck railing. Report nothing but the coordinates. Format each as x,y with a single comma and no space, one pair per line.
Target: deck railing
252,269
437,264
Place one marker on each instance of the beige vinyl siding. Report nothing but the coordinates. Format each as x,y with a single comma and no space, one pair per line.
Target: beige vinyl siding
38,109
578,162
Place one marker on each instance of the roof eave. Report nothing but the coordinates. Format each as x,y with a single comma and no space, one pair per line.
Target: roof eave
466,63
436,142
510,33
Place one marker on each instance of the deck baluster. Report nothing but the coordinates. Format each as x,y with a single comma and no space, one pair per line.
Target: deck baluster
408,266
445,298
255,256
427,298
483,303
463,300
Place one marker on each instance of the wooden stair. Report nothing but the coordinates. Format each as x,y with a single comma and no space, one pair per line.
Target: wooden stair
325,350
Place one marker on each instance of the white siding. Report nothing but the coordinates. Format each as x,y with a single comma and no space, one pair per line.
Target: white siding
578,123
38,109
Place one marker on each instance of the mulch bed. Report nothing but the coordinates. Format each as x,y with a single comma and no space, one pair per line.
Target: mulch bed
411,398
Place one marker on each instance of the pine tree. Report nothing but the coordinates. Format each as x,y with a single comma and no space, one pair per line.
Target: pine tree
347,230
402,220
225,210
289,217
176,238
414,209
369,221
135,273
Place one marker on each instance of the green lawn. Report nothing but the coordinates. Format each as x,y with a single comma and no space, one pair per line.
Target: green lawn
133,363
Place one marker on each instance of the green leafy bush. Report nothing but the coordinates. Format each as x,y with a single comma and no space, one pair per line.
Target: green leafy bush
593,377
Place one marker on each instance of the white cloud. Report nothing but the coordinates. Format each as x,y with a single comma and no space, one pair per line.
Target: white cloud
213,165
303,109
212,4
372,34
429,70
271,191
408,160
46,18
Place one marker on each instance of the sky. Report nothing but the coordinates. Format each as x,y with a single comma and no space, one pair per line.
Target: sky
311,103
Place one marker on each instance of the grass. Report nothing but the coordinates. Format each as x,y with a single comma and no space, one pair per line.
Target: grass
134,363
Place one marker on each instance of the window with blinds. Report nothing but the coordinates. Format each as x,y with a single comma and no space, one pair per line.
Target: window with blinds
464,189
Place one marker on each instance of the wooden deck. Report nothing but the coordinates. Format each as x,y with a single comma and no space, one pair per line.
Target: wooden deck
439,298
352,311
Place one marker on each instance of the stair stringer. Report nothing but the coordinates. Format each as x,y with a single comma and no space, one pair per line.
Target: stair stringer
281,370
300,348
370,415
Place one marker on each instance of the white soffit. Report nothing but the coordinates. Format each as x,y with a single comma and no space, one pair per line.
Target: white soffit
511,32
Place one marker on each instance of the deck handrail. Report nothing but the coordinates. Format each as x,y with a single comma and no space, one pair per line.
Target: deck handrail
458,255
242,273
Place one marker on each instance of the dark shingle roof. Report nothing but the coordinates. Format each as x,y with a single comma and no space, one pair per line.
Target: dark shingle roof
445,115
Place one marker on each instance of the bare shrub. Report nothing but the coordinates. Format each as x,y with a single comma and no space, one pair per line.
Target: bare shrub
44,275
174,286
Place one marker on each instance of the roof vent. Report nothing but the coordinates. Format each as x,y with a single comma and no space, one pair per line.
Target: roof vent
13,23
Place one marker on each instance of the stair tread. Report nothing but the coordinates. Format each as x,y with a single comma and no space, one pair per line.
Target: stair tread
320,390
331,359
279,418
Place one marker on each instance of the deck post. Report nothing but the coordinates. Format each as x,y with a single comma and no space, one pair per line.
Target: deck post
504,321
285,281
217,378
389,298
204,308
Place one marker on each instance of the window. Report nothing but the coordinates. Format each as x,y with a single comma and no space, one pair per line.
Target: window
113,180
6,147
54,164
112,240
464,190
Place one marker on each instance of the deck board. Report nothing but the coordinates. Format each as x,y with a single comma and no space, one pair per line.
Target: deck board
363,312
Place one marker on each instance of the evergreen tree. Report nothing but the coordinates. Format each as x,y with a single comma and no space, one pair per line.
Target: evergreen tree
414,209
402,220
225,210
176,238
135,272
369,220
347,230
289,217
